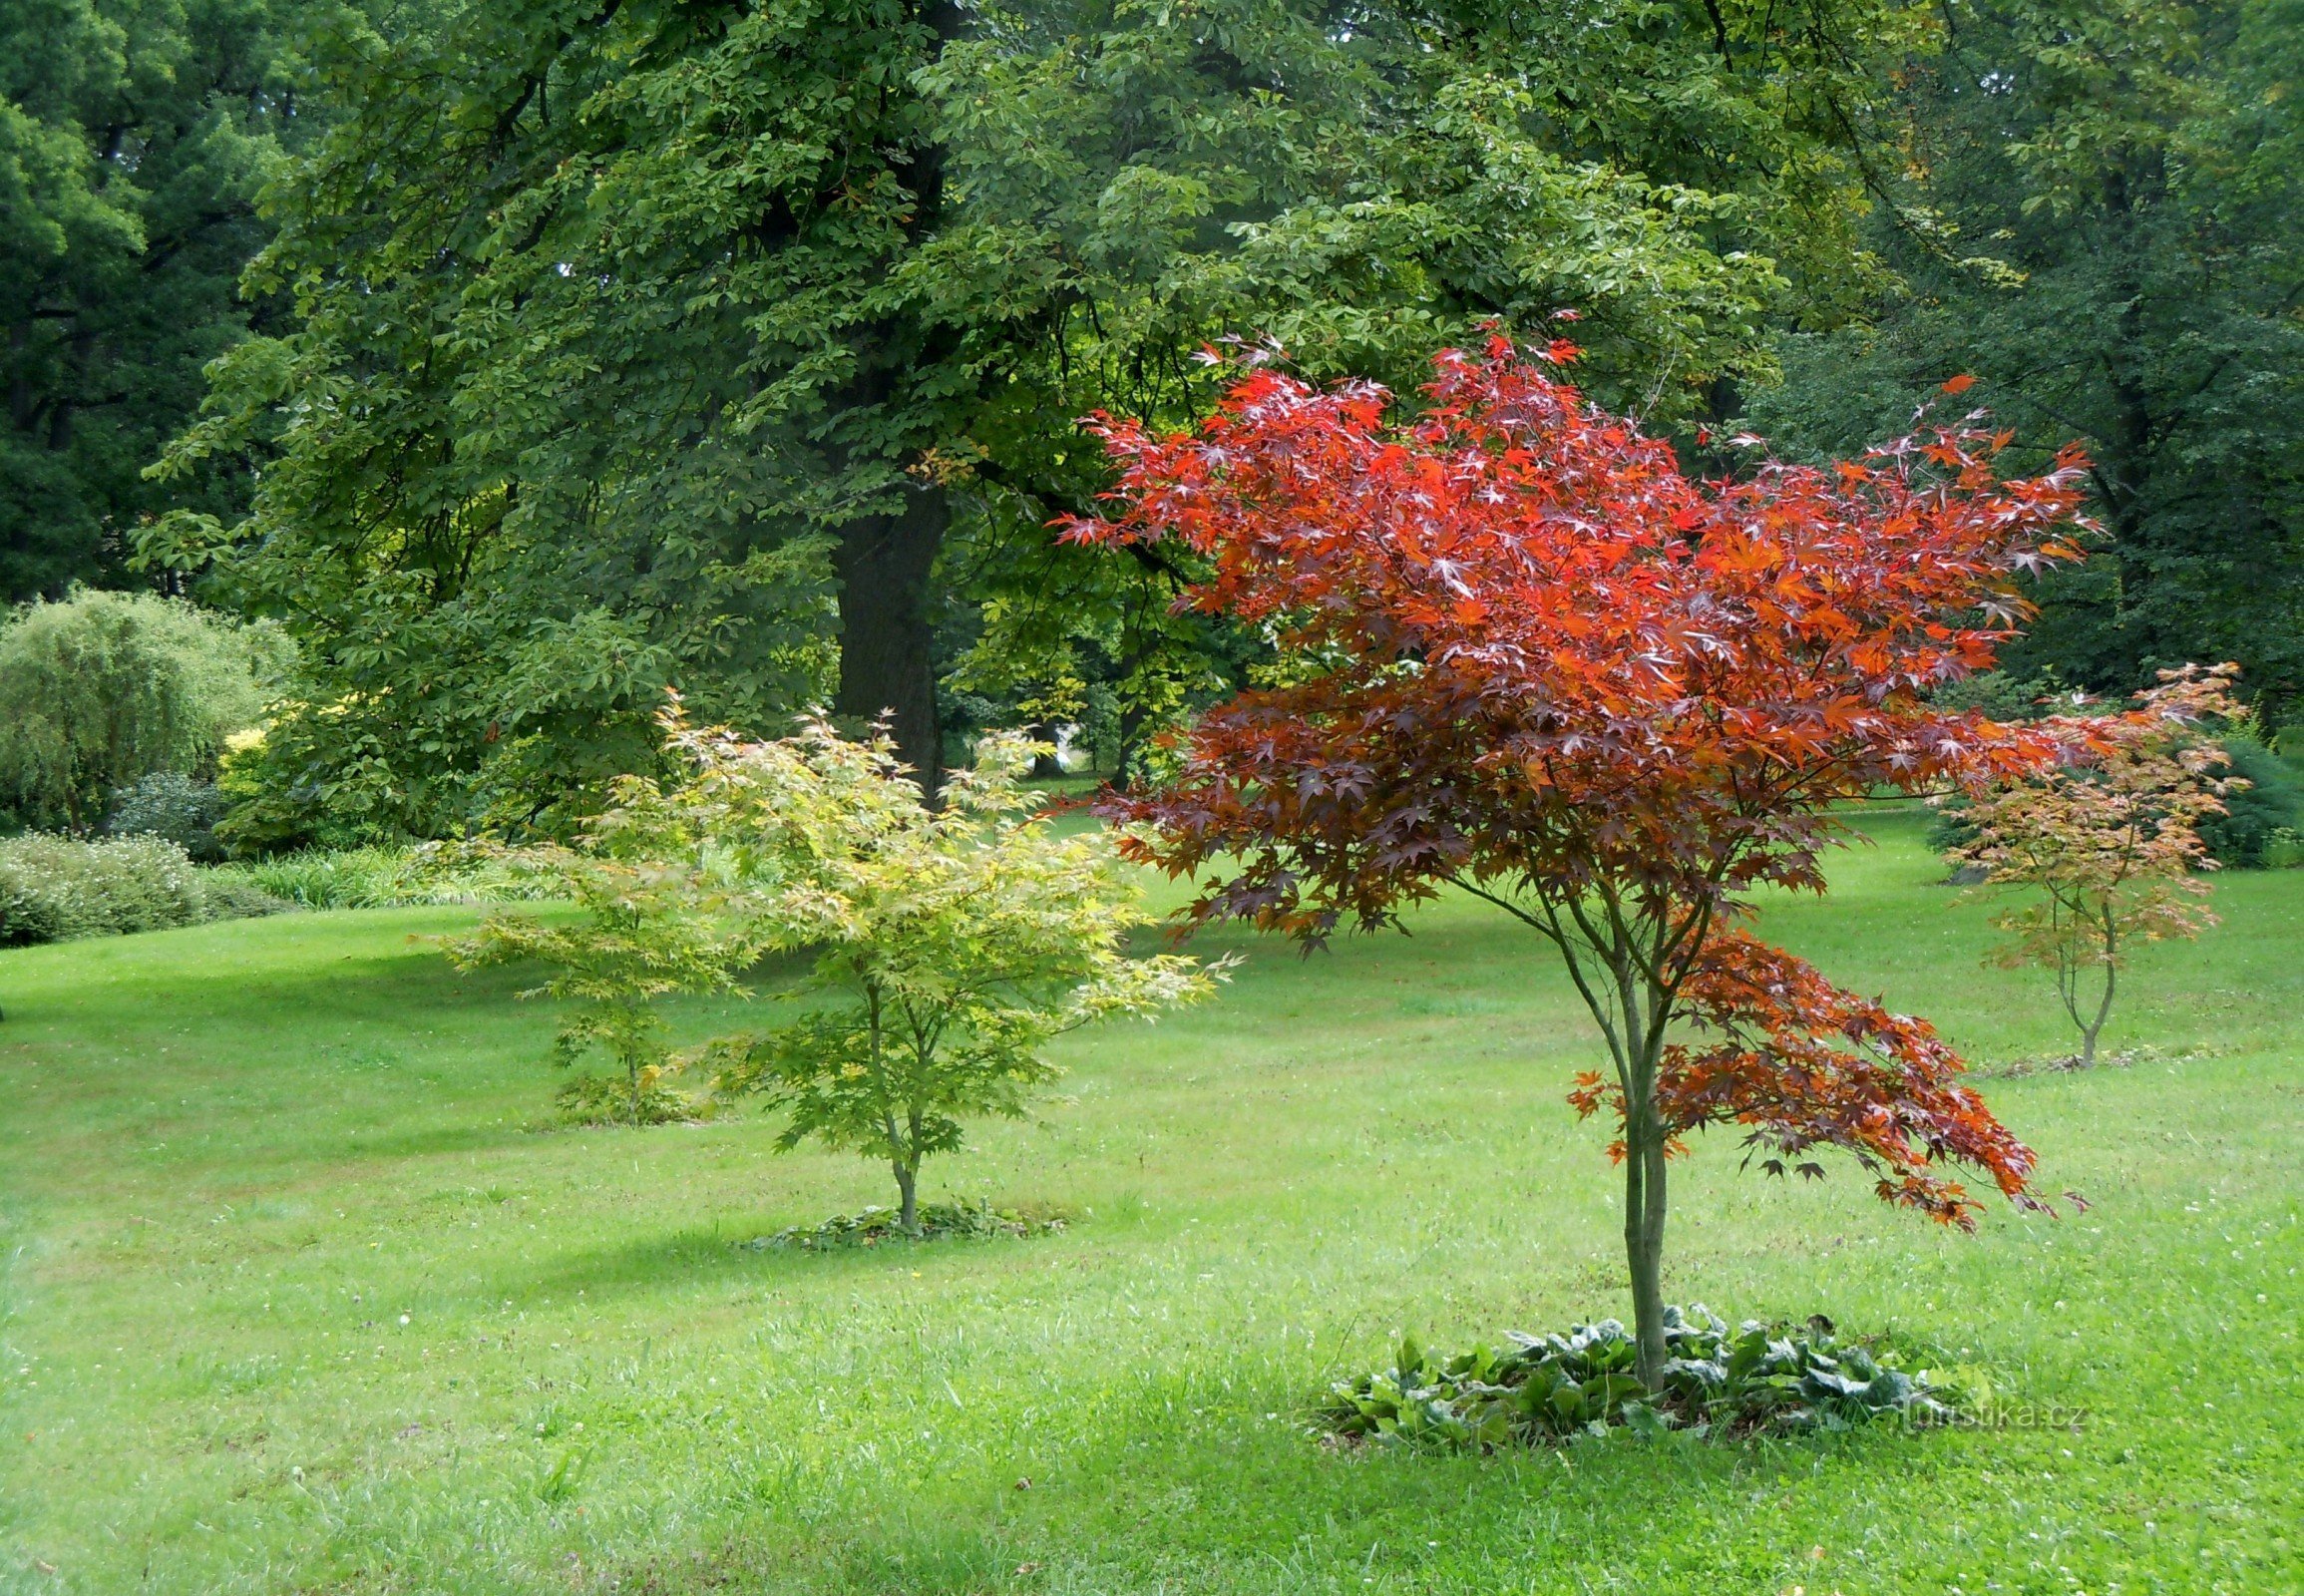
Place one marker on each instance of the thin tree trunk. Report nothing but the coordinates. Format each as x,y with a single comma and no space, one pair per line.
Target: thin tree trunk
2089,1033
1644,1212
906,1182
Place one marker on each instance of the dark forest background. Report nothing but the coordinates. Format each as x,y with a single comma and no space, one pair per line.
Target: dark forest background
516,361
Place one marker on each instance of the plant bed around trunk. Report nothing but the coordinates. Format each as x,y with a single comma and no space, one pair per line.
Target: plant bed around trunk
953,1221
1717,1382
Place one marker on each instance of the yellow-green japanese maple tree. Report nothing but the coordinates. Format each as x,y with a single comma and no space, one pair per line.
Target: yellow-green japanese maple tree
951,943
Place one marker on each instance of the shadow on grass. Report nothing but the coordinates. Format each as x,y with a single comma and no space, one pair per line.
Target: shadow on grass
721,1252
1234,1503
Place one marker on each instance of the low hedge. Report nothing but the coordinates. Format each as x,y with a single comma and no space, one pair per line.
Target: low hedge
58,889
390,878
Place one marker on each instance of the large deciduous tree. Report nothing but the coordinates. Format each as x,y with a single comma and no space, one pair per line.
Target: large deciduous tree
1529,659
646,342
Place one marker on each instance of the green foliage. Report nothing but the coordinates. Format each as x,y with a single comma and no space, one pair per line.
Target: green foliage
951,945
105,688
624,1100
58,889
2271,801
1554,1387
952,1221
389,878
649,878
133,140
2091,209
171,805
675,355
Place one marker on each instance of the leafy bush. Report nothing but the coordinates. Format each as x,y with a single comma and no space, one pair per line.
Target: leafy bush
56,888
2284,849
106,687
938,1222
2272,801
1552,1388
390,878
171,805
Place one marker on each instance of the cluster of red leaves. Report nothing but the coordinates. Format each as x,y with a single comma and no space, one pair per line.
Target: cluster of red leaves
1522,651
1528,642
1802,1064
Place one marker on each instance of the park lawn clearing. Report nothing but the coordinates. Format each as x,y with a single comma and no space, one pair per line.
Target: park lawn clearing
297,1298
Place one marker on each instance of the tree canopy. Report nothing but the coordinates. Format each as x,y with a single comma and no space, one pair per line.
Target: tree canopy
2092,209
133,140
590,347
642,344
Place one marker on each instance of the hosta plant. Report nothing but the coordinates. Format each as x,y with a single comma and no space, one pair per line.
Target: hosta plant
1545,1388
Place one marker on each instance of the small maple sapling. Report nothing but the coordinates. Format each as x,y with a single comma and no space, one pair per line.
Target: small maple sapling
2105,845
950,944
1530,660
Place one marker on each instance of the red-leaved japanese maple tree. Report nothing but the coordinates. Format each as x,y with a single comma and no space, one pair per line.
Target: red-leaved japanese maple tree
1525,656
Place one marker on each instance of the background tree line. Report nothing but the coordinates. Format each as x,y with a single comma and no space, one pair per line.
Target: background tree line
563,350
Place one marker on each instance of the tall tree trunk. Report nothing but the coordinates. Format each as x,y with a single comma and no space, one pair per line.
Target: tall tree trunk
886,630
884,562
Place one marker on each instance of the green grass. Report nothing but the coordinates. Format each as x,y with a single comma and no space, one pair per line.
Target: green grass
296,1301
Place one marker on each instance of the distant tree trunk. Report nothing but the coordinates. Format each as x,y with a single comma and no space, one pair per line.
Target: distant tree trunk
887,631
1047,764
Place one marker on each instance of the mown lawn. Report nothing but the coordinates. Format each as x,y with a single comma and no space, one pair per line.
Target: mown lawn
297,1300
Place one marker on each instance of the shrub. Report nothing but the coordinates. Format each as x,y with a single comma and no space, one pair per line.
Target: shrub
56,888
2272,801
108,687
169,805
389,878
2284,849
2243,837
2104,851
1541,1389
615,1100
